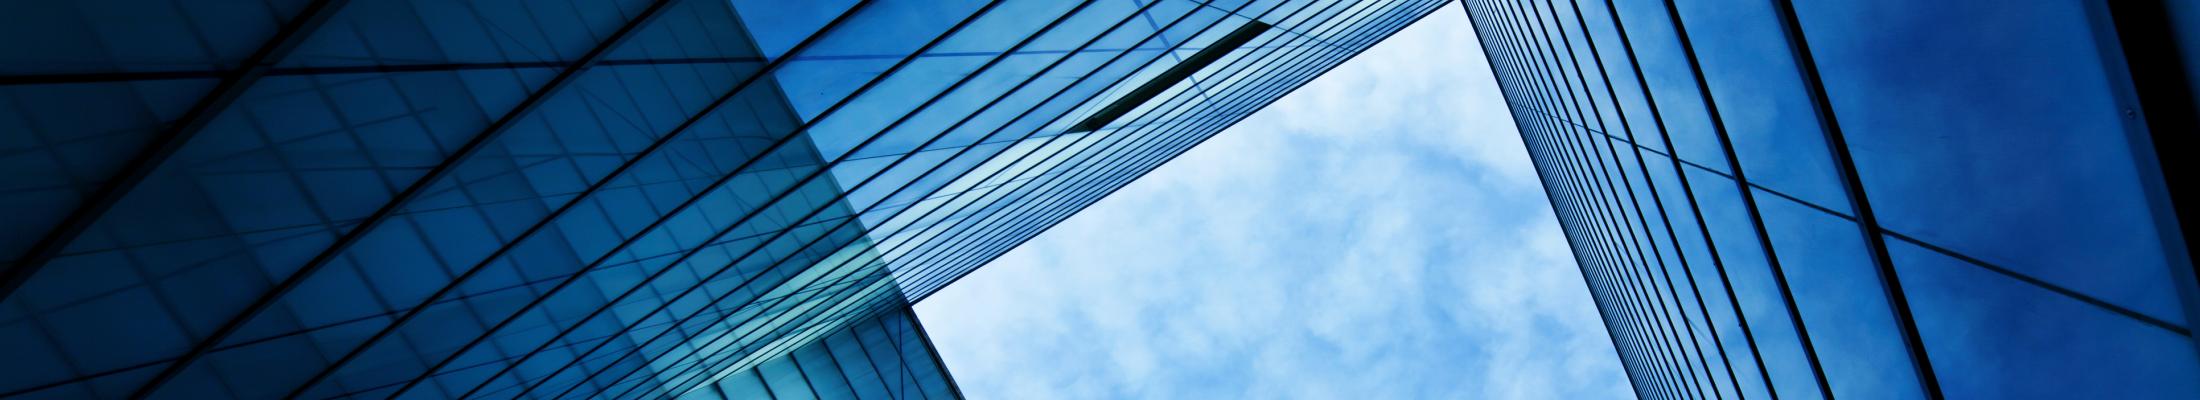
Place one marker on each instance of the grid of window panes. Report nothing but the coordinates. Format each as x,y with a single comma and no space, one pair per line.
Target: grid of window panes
1041,177
1859,199
503,198
882,357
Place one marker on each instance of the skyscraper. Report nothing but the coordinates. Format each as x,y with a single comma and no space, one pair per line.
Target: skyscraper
1870,199
741,198
620,199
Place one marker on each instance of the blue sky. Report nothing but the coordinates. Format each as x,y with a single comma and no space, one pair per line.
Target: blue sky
1377,234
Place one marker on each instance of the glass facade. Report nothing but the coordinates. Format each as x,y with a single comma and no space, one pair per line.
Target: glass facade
587,199
1869,199
885,357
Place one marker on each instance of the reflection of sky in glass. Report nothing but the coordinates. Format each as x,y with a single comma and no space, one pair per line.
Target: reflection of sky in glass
1836,150
1361,238
441,189
998,139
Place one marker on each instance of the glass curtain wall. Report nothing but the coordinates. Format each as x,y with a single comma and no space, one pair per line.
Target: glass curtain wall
1863,199
528,199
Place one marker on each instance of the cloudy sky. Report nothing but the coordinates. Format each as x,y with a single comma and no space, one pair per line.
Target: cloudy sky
1377,234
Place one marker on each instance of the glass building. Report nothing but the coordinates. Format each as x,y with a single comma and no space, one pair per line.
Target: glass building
885,357
1876,199
585,199
731,199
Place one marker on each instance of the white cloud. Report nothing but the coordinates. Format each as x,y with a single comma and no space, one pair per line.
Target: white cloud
1377,234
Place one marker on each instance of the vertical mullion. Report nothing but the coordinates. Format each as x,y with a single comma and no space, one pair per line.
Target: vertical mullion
1563,175
1647,336
1599,182
1799,47
1602,134
1657,201
1688,192
1748,197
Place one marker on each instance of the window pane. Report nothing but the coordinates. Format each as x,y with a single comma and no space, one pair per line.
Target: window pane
1997,135
1844,305
1995,337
